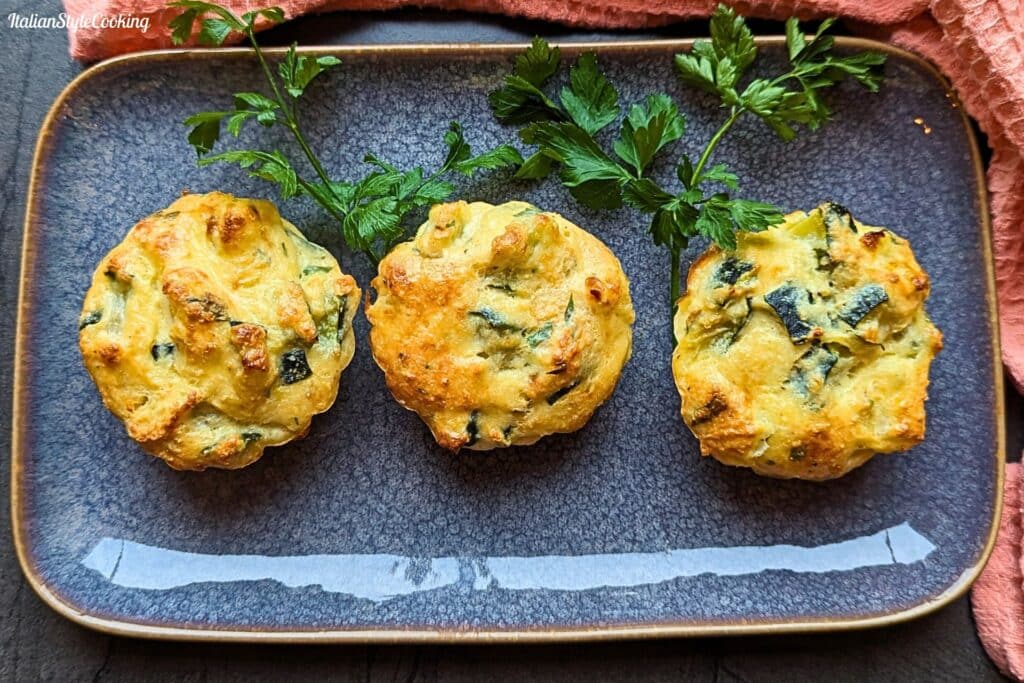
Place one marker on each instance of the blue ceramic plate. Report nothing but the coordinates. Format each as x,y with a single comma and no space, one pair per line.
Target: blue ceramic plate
366,530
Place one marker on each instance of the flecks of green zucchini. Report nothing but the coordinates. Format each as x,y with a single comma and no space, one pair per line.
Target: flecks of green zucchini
569,308
494,320
249,438
553,398
837,215
296,235
293,366
325,329
786,302
503,287
309,270
331,327
539,335
713,408
863,301
473,429
528,211
811,370
823,260
159,351
506,433
215,309
342,311
732,333
731,270
90,318
797,453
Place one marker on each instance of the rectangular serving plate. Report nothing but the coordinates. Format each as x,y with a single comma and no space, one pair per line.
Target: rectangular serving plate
366,531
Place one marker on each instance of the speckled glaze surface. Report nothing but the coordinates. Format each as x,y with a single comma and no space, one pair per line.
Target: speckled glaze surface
366,529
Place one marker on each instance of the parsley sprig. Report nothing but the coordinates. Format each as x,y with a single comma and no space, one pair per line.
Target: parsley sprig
370,210
566,131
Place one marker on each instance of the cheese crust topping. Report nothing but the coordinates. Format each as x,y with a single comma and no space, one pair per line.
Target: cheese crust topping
806,350
500,324
215,329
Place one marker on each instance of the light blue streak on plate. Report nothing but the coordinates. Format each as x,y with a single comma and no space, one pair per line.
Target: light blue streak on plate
383,577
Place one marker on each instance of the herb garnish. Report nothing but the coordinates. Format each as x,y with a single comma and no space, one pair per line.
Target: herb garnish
565,131
369,211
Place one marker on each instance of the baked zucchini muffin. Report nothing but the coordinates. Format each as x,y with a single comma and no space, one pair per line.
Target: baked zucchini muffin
500,324
214,330
806,350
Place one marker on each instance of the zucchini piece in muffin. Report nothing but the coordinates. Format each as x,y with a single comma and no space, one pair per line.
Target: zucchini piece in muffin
500,324
214,330
806,350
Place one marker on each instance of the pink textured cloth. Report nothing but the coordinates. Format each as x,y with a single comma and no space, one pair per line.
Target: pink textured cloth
978,45
997,597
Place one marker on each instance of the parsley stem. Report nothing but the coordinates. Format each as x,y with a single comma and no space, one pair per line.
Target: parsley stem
313,160
715,139
290,121
308,189
266,72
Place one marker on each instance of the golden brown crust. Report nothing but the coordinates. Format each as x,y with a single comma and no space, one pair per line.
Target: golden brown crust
214,330
806,350
252,343
500,324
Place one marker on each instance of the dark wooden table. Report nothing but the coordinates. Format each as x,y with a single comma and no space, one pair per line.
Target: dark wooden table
37,644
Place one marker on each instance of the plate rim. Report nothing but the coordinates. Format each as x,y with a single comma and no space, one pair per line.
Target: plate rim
545,634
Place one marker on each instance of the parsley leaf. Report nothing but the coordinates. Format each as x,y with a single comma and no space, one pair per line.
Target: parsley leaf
275,15
590,99
814,69
698,67
205,129
537,165
591,175
721,218
648,128
732,40
502,156
213,30
254,105
565,134
752,216
645,195
270,166
370,212
297,72
673,226
715,222
519,101
719,173
718,65
376,221
538,63
460,157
